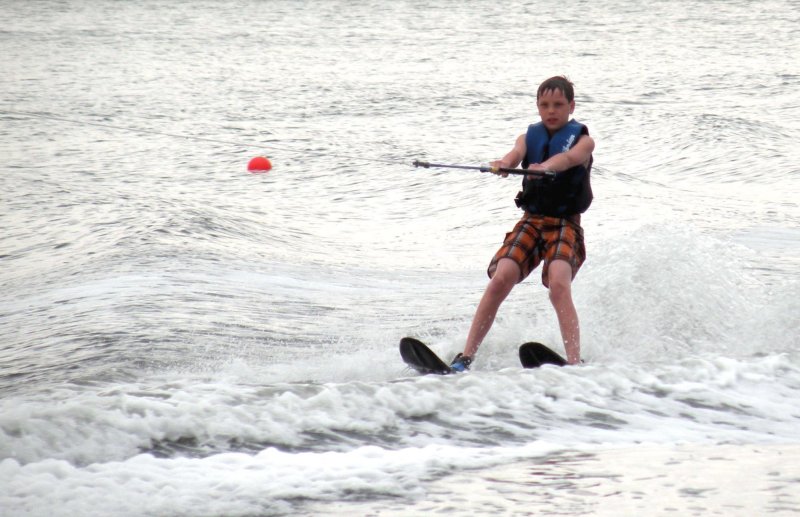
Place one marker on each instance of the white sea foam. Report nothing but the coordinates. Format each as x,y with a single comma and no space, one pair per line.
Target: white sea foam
691,400
235,484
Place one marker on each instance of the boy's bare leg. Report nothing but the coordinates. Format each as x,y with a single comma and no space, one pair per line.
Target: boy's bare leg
502,282
559,276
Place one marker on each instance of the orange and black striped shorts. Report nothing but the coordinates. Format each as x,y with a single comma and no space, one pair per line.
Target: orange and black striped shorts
537,238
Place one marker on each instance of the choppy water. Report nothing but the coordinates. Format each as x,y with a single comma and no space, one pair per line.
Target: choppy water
180,337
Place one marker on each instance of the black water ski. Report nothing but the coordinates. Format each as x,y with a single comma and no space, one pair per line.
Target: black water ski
534,355
421,358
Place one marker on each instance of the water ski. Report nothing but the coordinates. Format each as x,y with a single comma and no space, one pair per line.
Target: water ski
421,358
534,355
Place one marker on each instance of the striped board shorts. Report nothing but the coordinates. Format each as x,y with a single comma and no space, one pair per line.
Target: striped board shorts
537,238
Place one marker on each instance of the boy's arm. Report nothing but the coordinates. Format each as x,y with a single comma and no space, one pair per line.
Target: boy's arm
513,157
578,155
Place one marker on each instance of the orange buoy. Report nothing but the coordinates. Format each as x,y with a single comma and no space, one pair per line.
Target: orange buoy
259,164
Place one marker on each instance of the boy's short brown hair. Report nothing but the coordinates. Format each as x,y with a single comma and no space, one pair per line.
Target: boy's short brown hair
560,83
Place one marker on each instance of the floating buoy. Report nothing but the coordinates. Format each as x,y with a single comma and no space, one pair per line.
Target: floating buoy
259,164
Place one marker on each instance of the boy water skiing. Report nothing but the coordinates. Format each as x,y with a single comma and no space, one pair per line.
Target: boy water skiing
549,231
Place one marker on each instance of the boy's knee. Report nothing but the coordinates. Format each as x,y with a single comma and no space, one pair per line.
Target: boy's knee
560,286
502,284
504,279
559,290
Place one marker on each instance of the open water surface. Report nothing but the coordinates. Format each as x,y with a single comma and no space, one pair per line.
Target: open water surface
181,337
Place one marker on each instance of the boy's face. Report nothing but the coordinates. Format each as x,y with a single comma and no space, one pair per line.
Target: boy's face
554,109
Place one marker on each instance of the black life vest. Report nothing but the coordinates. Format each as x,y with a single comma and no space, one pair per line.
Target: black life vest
570,191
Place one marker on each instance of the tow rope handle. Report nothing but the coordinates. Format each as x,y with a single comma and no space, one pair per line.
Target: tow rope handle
485,168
